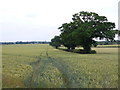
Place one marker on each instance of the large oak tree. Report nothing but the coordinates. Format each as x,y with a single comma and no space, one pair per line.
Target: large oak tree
86,26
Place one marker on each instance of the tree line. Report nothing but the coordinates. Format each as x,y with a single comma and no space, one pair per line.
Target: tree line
20,42
81,31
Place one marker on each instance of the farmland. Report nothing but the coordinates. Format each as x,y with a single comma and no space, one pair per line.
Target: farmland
42,66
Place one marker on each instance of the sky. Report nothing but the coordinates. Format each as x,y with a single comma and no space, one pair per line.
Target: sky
38,20
119,15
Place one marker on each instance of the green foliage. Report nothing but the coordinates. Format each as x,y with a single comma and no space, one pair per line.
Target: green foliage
66,35
84,28
55,42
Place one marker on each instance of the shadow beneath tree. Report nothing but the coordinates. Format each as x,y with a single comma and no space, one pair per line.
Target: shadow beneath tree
80,51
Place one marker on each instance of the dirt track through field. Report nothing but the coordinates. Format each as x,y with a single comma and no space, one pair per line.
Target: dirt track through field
39,67
62,69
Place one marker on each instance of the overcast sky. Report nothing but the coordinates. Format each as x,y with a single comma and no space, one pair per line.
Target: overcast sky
30,20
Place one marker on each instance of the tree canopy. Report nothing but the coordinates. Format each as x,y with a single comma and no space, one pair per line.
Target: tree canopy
86,26
55,42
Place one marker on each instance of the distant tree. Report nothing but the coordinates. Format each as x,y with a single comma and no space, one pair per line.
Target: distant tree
85,27
55,42
66,35
91,25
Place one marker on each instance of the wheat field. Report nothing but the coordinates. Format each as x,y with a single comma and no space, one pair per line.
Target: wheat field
42,66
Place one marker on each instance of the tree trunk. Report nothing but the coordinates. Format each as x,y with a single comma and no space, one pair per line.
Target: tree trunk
87,49
68,48
73,48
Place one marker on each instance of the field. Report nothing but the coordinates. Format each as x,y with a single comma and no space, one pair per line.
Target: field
42,66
